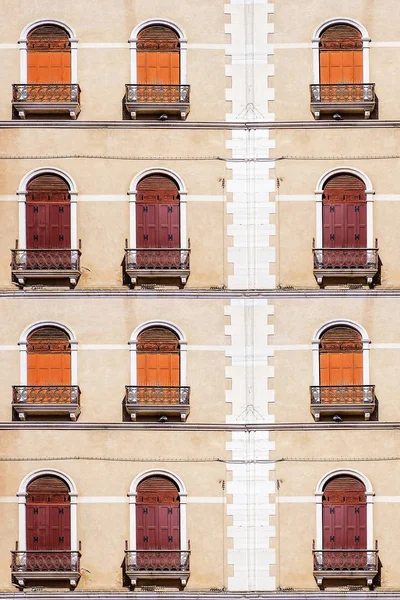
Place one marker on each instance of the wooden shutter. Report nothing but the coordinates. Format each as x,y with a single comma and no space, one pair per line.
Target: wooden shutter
158,56
49,357
48,213
158,358
341,58
49,55
340,356
157,515
48,517
344,213
344,514
157,213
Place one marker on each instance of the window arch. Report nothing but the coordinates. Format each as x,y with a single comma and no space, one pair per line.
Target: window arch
344,521
339,335
36,482
153,328
162,39
149,184
155,476
45,37
349,182
48,338
49,189
341,36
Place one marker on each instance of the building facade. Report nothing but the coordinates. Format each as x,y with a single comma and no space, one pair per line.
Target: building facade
199,331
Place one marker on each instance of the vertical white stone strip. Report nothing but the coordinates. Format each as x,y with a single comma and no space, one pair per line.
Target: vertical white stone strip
23,363
22,521
74,220
23,61
132,520
22,220
182,207
74,61
132,218
74,521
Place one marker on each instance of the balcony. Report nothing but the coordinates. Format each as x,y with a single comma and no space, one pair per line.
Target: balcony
157,565
342,400
355,565
345,263
145,99
45,566
46,99
157,400
157,263
46,400
48,264
346,98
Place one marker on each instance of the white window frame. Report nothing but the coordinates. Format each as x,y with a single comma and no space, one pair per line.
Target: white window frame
132,495
22,193
132,193
365,340
366,40
133,342
23,493
369,194
133,39
23,47
23,350
369,493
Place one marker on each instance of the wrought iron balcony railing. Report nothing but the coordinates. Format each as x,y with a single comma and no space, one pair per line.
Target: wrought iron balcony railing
361,259
346,564
45,561
342,92
157,258
46,394
158,93
157,395
342,394
157,565
51,259
46,92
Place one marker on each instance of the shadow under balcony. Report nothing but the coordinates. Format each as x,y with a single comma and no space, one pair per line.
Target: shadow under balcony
46,400
47,264
330,400
342,98
157,99
46,99
45,566
344,565
345,263
157,263
157,401
157,565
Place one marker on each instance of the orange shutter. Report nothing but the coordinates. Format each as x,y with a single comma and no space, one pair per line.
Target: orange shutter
341,359
49,358
158,358
341,58
158,56
49,56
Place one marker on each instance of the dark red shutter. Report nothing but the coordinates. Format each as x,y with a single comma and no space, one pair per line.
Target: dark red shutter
344,213
48,221
157,213
48,517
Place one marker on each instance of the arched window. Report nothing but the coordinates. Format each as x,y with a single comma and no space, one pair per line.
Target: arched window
159,531
342,388
341,70
49,57
345,549
158,57
158,71
48,546
48,83
50,376
341,55
47,231
159,381
159,234
347,250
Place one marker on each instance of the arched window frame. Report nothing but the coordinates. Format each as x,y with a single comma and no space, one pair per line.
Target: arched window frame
22,193
133,342
132,202
133,39
369,193
132,495
23,493
369,493
365,340
23,350
23,48
365,38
